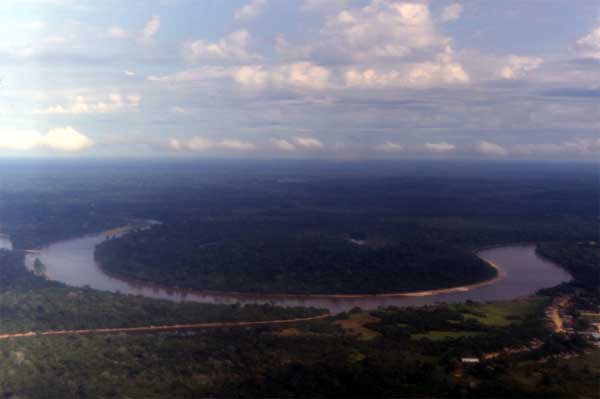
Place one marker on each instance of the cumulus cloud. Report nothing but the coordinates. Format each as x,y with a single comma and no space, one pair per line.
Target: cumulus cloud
251,10
517,66
200,74
65,139
440,147
231,48
116,102
283,145
61,139
251,75
299,75
493,149
381,29
145,36
200,144
452,12
308,142
589,44
389,146
150,29
422,74
383,44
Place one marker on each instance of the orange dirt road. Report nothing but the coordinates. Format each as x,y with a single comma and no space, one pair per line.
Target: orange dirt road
156,329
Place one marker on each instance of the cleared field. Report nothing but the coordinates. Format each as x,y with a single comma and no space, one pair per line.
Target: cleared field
356,325
499,314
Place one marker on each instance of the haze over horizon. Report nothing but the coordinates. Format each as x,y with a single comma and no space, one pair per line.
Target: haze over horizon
328,79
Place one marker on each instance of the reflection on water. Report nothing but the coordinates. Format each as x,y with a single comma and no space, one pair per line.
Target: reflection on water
72,262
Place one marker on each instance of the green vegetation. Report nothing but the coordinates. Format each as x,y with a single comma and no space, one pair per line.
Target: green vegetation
319,359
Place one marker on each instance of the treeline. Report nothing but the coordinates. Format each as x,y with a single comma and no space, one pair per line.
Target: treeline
581,259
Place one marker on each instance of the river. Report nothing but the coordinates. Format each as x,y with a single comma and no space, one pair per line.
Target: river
72,262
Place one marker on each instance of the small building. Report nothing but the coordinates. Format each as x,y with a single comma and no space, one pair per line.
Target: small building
469,360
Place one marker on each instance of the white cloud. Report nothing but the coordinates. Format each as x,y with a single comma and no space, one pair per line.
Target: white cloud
61,139
116,103
145,36
283,145
231,48
440,147
423,74
201,74
389,147
517,66
150,29
235,144
299,75
590,43
382,29
65,139
304,75
200,144
33,25
251,10
452,12
493,149
18,140
308,142
117,32
251,75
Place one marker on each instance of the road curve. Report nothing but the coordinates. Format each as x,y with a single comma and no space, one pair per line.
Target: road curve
157,329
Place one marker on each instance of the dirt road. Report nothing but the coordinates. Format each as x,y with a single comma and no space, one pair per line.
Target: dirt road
156,329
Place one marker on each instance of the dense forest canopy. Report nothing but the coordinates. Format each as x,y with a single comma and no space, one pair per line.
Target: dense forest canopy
290,256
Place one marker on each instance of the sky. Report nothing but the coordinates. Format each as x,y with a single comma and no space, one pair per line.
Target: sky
327,79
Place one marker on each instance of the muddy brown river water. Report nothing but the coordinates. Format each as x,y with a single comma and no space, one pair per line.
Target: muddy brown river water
523,273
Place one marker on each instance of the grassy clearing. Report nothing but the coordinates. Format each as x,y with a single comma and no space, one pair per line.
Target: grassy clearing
290,332
355,325
500,314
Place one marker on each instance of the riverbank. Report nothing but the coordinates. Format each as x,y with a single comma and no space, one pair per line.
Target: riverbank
500,274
